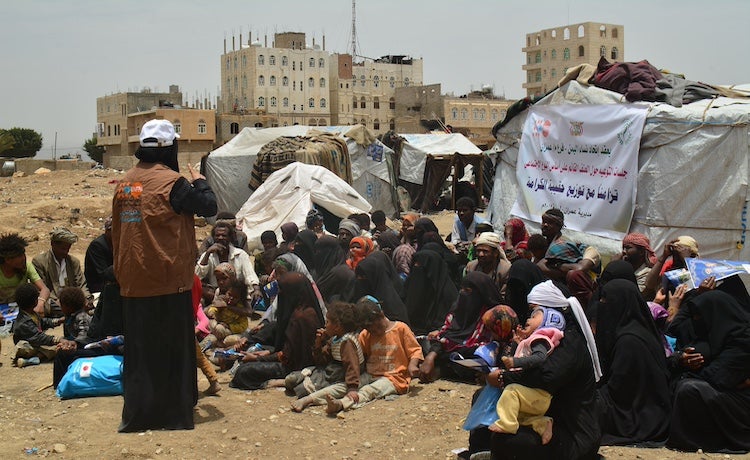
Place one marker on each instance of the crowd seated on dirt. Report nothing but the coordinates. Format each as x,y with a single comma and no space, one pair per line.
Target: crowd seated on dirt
635,360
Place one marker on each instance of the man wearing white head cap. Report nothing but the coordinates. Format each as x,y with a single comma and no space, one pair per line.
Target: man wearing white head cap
491,259
153,240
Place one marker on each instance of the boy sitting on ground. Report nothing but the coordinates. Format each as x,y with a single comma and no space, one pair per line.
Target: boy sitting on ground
73,304
32,344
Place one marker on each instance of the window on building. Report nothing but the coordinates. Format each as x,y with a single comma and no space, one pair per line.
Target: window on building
236,85
228,63
376,81
261,60
311,103
362,103
581,51
553,73
311,82
376,124
284,81
363,122
272,80
285,102
392,81
528,41
323,103
392,103
392,124
566,34
553,54
362,80
482,114
294,85
284,60
311,62
322,122
354,102
464,114
272,60
201,126
272,101
322,82
614,32
406,81
615,53
261,101
454,113
321,64
493,115
376,102
538,76
538,57
244,61
109,130
528,59
537,40
566,54
602,50
603,31
261,80
581,31
554,33
294,65
235,62
300,85
234,128
475,114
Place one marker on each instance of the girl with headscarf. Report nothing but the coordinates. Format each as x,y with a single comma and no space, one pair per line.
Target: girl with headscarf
430,292
569,379
711,405
376,277
359,248
289,231
463,330
299,317
634,386
335,280
403,253
327,254
515,233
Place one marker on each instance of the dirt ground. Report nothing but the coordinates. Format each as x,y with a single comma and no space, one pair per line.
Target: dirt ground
425,423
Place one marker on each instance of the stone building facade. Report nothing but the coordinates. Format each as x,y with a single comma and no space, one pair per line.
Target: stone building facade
551,52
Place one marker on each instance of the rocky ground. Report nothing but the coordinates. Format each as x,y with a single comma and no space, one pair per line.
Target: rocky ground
425,423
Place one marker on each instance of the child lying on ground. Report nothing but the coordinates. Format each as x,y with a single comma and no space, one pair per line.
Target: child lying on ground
393,358
521,405
339,357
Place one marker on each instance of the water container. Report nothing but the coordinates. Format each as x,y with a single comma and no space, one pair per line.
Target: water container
9,168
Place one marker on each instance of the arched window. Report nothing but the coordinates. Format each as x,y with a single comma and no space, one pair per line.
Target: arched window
614,32
323,103
272,60
109,130
362,103
406,81
554,33
322,122
322,82
272,80
566,34
603,31
602,50
475,114
201,126
244,81
553,73
362,80
376,124
234,128
615,53
354,102
493,115
464,114
482,114
177,126
376,81
228,62
285,102
261,80
375,102
311,82
261,101
284,60
272,101
392,103
261,60
235,84
321,64
553,54
244,61
284,81
312,62
392,81
538,57
581,31
311,102
566,54
581,51
392,124
537,40
454,113
235,62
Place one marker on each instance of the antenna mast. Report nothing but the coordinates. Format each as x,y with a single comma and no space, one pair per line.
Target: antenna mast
354,29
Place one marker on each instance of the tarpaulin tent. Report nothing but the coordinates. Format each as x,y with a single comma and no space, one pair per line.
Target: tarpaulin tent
426,160
228,168
692,172
289,193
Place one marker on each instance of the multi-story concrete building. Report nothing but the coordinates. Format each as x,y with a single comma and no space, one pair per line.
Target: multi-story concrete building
120,116
551,52
296,84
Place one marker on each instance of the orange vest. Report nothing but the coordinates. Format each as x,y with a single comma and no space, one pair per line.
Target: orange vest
154,247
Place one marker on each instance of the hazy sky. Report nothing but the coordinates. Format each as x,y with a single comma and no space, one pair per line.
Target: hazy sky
59,56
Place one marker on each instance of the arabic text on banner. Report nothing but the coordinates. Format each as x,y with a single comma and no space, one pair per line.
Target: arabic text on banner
583,160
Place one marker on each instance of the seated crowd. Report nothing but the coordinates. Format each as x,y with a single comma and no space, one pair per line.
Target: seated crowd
587,355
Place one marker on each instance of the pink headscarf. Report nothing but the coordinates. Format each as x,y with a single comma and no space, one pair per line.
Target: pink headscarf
518,231
642,241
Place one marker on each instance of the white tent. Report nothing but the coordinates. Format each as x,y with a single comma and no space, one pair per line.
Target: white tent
228,168
417,146
289,193
692,172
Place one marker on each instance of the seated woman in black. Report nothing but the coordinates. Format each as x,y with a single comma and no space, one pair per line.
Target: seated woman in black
634,388
711,406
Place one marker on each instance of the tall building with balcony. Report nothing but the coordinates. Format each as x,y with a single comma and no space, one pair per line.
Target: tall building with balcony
551,52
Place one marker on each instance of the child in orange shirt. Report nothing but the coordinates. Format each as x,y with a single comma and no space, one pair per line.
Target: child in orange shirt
393,357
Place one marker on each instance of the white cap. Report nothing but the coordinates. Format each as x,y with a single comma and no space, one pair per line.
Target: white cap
158,133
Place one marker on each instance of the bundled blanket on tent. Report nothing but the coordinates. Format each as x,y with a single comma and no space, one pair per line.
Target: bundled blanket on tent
324,149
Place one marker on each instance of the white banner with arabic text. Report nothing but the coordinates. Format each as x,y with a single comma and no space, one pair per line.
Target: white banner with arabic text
583,160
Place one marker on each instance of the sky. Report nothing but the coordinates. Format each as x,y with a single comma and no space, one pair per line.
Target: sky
59,56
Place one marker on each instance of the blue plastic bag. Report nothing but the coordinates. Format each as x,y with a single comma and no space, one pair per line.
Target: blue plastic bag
97,376
484,410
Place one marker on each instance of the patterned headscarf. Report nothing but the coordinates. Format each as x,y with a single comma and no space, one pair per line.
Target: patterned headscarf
227,270
501,321
366,246
642,241
518,231
63,235
690,243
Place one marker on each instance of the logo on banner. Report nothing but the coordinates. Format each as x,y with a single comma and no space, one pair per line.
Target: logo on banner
541,128
576,128
625,136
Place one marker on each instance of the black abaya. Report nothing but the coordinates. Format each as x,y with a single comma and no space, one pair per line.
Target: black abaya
430,292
